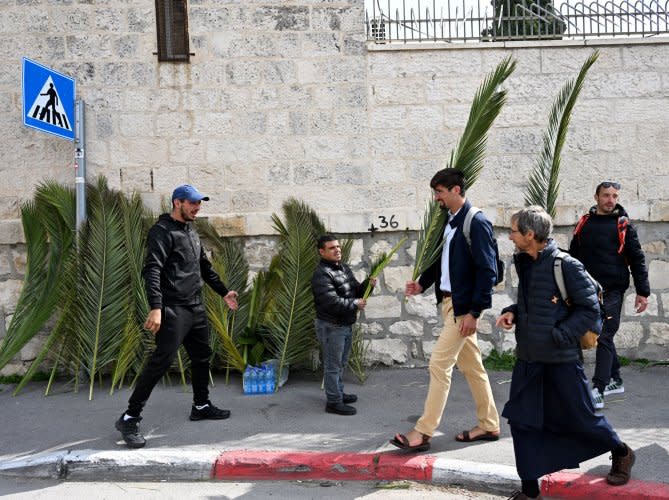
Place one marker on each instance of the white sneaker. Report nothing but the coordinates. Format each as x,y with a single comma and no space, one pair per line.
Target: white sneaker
614,387
597,399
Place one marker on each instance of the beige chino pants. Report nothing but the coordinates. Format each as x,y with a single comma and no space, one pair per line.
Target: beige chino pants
451,349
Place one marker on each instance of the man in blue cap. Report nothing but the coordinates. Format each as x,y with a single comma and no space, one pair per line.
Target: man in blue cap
174,271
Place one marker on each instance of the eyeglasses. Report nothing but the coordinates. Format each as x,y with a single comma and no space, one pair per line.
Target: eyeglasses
609,184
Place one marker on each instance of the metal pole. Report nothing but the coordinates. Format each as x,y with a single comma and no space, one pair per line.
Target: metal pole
80,162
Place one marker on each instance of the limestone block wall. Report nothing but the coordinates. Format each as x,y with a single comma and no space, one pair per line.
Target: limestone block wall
288,99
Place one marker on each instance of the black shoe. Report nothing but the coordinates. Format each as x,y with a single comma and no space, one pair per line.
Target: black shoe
340,409
209,412
349,398
129,429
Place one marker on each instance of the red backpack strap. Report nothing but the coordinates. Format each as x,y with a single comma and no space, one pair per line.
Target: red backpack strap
579,225
623,222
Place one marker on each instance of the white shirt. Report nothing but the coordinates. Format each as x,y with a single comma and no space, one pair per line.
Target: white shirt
449,232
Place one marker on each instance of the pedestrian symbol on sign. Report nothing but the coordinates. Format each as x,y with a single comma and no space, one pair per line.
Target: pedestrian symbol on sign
47,107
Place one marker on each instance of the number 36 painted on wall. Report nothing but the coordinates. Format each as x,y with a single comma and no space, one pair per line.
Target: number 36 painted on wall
385,222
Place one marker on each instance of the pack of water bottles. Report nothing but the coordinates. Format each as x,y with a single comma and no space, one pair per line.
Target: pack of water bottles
259,379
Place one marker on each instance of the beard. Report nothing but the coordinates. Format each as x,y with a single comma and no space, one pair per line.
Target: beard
186,215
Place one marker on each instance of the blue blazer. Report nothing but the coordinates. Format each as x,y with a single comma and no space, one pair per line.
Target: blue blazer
473,271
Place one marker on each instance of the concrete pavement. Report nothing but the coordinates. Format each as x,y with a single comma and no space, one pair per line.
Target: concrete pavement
287,435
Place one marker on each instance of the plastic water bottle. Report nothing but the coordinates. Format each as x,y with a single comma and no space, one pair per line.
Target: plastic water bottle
262,381
246,382
271,381
253,379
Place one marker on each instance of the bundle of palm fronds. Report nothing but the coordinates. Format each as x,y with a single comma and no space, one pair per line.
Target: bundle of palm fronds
467,157
377,266
543,185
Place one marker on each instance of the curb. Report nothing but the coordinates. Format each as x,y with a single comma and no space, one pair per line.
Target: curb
201,465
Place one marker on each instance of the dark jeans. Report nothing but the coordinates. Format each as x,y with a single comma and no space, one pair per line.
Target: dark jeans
607,365
336,345
185,325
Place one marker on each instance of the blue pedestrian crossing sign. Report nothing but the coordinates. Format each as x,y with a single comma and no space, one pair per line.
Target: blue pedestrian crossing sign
48,100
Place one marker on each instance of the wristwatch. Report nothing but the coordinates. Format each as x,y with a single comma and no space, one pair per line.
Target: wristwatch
475,314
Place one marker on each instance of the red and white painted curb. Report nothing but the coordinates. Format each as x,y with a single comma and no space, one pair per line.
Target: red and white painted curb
207,464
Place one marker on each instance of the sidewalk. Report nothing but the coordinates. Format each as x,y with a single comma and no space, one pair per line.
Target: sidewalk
288,435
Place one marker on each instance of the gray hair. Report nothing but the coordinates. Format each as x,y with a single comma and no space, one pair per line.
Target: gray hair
534,218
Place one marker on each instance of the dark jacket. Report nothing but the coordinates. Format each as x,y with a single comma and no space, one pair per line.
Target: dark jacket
335,290
597,245
547,331
473,271
176,265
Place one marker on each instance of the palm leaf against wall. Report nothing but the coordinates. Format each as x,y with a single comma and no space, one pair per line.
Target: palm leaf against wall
230,263
543,185
467,157
104,299
137,342
292,313
49,232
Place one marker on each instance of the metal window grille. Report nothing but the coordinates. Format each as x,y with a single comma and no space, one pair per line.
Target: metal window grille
172,23
390,21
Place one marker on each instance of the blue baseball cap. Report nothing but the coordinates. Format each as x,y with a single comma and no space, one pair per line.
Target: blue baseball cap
188,192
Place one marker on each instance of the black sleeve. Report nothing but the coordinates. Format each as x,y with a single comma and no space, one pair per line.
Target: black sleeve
158,248
575,247
637,262
209,275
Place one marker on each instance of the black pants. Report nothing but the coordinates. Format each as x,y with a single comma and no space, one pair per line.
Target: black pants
185,325
607,365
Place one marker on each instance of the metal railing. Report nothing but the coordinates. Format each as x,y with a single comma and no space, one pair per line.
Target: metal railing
503,20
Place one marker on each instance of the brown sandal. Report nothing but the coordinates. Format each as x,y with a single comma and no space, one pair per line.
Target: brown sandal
486,436
401,441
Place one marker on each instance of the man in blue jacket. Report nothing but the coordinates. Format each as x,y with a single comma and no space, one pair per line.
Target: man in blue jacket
463,278
550,411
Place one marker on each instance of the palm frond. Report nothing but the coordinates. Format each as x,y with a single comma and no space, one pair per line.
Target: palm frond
469,153
290,318
467,157
359,349
48,225
136,341
377,266
544,185
428,246
103,302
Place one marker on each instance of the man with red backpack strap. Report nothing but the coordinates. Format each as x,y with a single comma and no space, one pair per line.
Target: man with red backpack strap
608,246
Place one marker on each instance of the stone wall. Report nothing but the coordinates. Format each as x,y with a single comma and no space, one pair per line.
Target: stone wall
288,99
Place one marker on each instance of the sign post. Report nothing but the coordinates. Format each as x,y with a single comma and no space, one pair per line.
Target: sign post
49,106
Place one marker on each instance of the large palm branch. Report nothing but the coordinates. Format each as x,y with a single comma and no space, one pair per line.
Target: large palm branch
48,225
136,342
543,185
104,297
231,265
467,157
291,315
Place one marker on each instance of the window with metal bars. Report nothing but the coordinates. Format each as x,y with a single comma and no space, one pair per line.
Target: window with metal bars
172,22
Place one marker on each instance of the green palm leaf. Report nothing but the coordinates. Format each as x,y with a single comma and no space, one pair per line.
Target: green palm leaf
291,315
48,225
467,157
136,342
103,301
377,266
543,185
231,265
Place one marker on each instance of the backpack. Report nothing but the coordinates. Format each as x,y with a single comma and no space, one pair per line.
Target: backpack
466,230
589,339
623,222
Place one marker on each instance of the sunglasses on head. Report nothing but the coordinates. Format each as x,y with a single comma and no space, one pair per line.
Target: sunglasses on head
610,184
